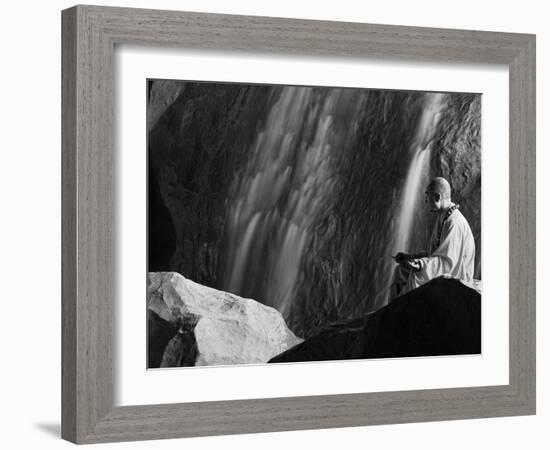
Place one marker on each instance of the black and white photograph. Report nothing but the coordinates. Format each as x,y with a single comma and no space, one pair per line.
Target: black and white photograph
290,224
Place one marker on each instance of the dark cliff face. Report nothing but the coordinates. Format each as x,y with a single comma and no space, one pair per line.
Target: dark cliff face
205,172
194,149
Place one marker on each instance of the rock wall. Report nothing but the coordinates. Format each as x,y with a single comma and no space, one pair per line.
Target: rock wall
194,150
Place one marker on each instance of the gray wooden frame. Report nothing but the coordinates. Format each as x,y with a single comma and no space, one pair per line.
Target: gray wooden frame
89,36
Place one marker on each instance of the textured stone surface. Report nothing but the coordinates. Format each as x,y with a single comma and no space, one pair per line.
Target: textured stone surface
195,148
442,317
161,94
191,324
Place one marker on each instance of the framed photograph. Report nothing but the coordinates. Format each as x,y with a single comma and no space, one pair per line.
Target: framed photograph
268,222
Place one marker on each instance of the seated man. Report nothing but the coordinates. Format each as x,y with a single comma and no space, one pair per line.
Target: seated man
451,248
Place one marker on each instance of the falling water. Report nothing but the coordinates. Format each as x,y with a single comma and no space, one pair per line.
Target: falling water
418,170
287,182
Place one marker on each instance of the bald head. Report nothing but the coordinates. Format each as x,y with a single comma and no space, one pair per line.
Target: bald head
438,195
439,185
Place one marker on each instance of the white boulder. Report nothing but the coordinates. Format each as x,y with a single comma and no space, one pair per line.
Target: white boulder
226,328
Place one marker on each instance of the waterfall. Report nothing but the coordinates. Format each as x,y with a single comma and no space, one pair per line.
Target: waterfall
418,170
274,201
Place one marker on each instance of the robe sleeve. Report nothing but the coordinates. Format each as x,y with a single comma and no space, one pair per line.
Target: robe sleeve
444,258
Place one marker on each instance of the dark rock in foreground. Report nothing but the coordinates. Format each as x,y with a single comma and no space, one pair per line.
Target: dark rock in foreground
442,317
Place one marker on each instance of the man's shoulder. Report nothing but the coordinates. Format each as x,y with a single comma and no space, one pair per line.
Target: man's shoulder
457,219
457,215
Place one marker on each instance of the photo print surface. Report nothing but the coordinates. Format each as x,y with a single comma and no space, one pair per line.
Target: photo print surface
290,224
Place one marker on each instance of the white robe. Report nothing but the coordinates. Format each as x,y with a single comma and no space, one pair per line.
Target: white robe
453,256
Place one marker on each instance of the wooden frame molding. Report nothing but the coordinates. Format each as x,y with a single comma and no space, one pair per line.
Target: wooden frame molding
89,37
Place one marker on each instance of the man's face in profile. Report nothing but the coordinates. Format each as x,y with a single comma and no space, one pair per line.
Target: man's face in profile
432,200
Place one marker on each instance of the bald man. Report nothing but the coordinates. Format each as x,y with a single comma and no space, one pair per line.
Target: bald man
451,250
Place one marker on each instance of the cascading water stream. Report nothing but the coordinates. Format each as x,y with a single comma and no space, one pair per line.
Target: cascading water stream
418,171
287,182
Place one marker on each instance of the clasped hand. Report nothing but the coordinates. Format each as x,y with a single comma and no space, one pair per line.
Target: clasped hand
408,262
